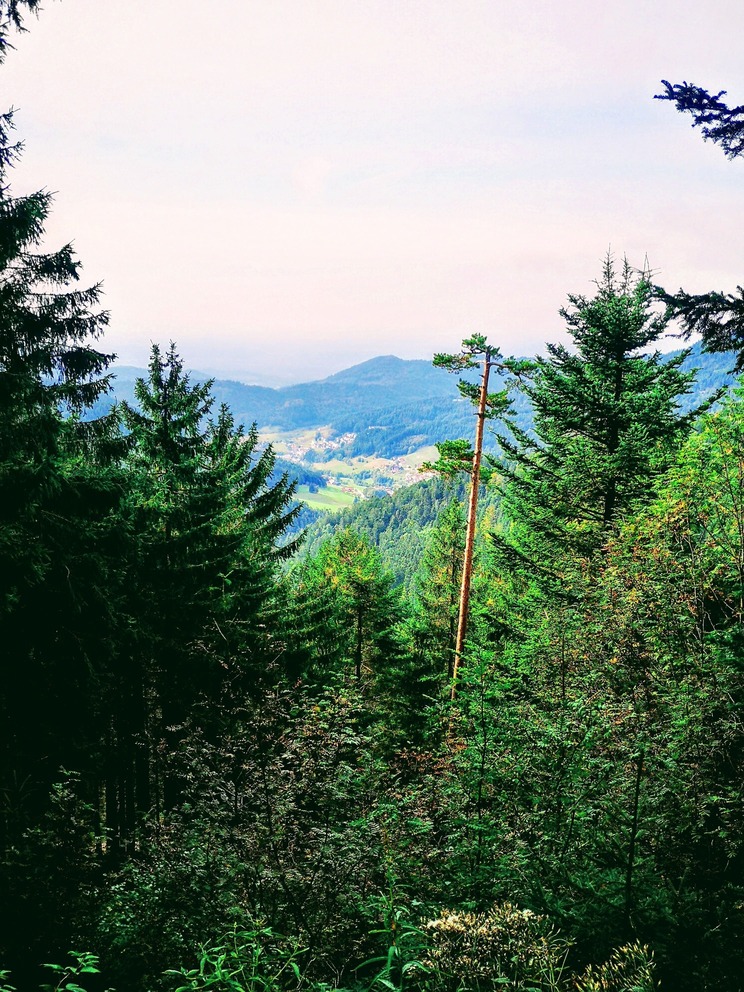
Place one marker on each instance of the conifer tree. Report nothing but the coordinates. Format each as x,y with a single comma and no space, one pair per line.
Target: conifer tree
459,456
351,570
607,419
54,491
11,17
208,518
255,510
718,317
434,624
59,545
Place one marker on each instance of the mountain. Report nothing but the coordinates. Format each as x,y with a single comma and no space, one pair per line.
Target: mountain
386,406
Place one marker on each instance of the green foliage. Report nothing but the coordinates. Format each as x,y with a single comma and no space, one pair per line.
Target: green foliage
255,960
196,742
433,624
454,457
59,493
397,525
630,969
348,581
505,947
607,420
718,317
66,977
400,965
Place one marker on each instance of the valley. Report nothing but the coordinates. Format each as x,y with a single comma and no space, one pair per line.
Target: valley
366,430
347,478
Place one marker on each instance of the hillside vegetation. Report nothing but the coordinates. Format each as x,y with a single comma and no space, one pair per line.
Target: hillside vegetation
510,764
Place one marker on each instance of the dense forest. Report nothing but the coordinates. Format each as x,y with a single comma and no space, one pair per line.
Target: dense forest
226,767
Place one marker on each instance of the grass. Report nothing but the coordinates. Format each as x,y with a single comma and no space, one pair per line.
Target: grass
328,498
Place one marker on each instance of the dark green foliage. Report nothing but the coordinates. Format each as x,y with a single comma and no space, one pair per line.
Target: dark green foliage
719,123
207,521
718,317
58,497
275,825
607,418
202,749
11,18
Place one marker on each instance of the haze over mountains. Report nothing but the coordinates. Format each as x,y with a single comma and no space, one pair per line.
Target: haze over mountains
390,405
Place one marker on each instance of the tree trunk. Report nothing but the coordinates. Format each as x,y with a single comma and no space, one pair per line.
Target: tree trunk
467,564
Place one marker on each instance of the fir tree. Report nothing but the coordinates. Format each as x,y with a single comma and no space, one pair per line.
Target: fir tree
717,316
208,518
11,17
58,540
607,419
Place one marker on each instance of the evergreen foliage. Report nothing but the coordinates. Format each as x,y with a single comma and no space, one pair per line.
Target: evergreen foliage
718,317
607,420
218,772
11,18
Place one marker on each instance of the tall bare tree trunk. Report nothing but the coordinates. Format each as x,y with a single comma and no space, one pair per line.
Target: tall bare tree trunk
467,564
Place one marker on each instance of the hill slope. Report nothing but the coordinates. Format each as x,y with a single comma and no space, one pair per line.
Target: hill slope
391,406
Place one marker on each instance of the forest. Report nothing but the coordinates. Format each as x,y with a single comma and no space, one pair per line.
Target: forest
226,766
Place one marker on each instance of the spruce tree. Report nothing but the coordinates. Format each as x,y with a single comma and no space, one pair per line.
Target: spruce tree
208,518
49,376
58,540
717,316
606,421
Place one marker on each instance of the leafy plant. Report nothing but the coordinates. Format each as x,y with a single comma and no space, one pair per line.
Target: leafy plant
630,969
67,975
256,960
506,947
405,943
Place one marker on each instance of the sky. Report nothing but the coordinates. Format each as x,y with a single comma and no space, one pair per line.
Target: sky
288,187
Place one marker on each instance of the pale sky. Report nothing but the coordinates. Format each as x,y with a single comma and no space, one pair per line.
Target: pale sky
287,187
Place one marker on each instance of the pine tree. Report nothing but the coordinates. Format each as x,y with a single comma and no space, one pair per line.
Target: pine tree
458,456
208,518
59,545
718,317
607,419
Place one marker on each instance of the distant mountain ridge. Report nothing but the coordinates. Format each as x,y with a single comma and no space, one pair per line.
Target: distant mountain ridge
391,405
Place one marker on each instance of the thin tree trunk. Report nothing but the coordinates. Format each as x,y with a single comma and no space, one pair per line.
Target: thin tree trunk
467,564
632,843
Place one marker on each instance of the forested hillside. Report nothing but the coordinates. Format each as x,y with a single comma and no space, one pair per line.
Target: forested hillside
226,767
391,406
